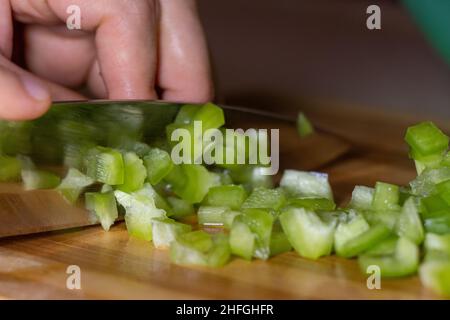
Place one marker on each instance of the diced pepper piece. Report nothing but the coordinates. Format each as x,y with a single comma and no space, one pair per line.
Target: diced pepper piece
141,149
263,198
251,176
211,216
211,116
425,184
304,126
158,164
134,173
231,196
403,262
165,230
39,179
364,241
260,223
436,242
279,243
179,208
105,165
191,248
306,184
242,240
446,160
160,201
200,248
443,187
409,224
10,169
313,204
426,139
228,218
429,162
106,188
433,206
103,206
350,227
192,182
73,185
140,210
308,234
186,114
384,247
387,217
362,198
405,194
220,253
386,197
436,276
439,224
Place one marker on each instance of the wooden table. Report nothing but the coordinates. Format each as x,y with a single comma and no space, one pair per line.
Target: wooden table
114,266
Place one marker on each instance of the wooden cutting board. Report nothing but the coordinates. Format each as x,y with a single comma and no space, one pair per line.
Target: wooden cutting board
115,266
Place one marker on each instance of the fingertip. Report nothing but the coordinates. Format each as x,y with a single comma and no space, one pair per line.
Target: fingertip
39,93
22,97
201,94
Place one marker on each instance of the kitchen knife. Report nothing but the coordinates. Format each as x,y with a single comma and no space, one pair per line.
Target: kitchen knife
118,122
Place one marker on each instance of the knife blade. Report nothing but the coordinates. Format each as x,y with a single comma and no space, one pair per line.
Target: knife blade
117,123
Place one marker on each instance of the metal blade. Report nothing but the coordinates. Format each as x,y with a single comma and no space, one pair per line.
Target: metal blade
118,123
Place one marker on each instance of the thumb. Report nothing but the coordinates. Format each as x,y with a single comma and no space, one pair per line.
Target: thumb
22,96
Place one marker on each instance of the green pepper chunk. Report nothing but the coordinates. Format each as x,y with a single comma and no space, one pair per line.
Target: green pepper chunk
308,234
134,173
165,231
232,196
73,185
263,198
403,262
105,165
103,206
200,248
158,165
10,169
426,139
386,197
304,126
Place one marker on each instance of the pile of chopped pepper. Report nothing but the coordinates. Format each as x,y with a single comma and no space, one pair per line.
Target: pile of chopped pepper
404,230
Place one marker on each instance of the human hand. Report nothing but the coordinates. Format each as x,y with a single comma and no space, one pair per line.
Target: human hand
126,49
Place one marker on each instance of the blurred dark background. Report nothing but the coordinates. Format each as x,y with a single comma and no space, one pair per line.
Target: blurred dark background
285,54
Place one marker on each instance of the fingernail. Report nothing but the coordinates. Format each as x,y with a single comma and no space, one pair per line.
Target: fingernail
35,88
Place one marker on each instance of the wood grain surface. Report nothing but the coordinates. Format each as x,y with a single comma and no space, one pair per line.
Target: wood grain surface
115,266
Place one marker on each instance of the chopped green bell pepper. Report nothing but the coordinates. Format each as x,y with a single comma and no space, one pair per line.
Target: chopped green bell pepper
308,234
426,139
232,196
403,262
134,173
165,230
158,164
103,206
39,179
10,169
306,184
